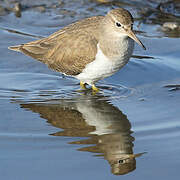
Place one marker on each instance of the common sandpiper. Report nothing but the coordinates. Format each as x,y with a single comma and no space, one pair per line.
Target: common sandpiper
90,49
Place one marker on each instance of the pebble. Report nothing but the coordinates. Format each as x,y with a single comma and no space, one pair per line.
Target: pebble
17,9
171,26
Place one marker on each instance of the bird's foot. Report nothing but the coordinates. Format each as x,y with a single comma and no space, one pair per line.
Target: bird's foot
95,89
83,88
82,85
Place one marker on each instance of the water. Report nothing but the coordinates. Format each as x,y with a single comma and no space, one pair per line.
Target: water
51,130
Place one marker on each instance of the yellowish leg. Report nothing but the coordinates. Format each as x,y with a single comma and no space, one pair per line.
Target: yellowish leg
83,86
94,88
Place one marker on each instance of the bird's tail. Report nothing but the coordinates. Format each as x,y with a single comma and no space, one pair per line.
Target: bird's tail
15,48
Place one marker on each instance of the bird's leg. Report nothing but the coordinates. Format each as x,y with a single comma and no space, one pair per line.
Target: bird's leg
83,85
94,88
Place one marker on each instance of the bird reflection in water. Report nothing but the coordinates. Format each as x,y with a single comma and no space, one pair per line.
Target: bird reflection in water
107,128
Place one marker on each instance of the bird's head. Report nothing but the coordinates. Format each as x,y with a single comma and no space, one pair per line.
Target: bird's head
122,24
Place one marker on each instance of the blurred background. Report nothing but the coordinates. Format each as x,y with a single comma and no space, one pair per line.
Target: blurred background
51,130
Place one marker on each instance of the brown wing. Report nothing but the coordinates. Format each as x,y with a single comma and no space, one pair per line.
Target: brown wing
68,50
72,53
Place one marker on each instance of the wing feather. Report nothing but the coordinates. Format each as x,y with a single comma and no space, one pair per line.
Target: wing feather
69,50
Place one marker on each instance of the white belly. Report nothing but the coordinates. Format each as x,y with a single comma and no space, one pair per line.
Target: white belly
103,67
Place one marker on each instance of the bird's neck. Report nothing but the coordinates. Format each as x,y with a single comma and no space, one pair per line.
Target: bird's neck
116,47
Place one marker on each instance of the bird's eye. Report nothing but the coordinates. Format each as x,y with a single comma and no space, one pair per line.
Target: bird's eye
118,24
121,161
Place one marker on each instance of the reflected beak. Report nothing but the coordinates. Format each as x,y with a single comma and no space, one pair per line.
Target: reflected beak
131,34
136,155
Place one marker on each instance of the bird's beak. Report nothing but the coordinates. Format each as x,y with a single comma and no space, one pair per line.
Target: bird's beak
131,34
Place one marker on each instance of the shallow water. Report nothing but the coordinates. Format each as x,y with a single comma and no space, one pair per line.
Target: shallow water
51,130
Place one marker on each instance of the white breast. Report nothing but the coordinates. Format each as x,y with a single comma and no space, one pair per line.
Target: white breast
96,117
103,67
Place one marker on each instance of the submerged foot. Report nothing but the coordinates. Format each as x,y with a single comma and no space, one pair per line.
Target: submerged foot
82,85
94,88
